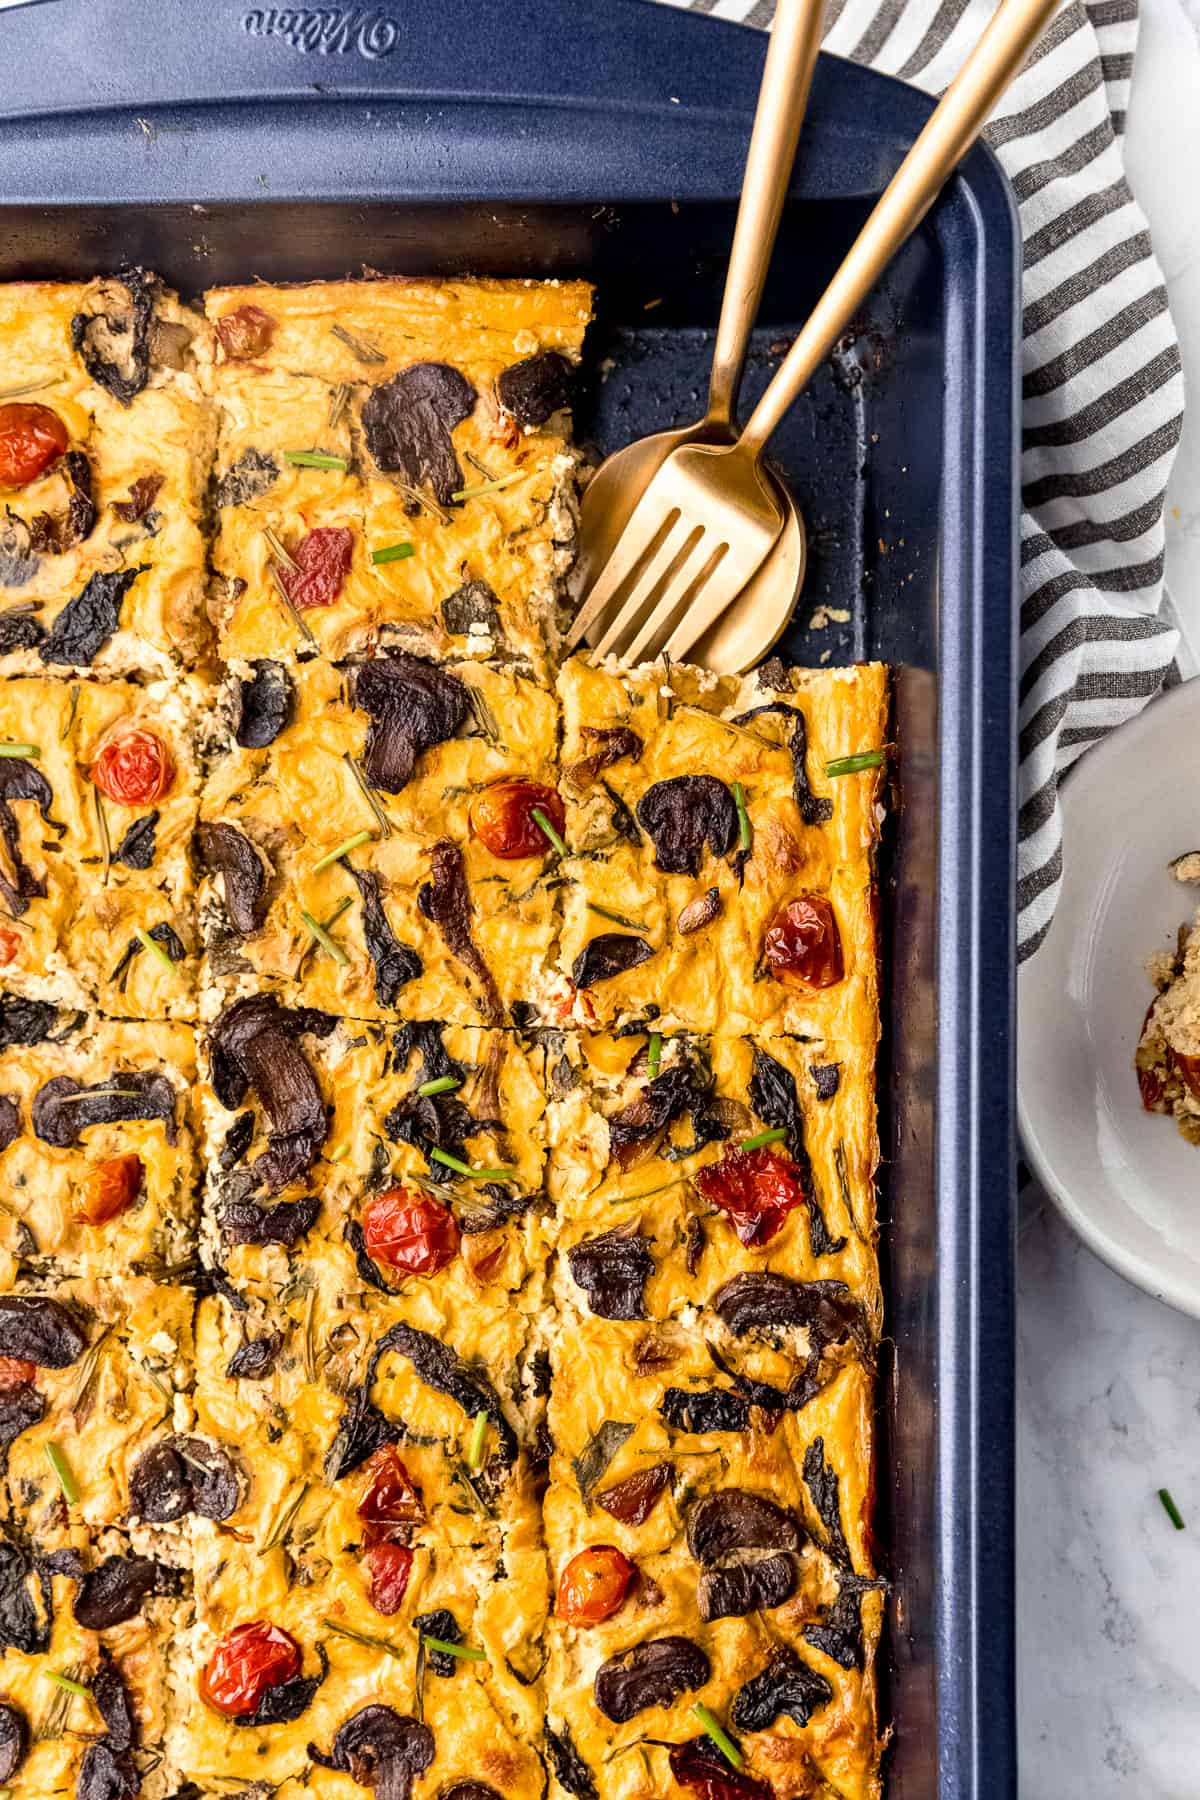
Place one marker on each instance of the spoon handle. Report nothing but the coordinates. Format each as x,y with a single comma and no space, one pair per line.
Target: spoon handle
950,132
782,98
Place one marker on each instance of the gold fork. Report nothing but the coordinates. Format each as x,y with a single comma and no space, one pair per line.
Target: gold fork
709,517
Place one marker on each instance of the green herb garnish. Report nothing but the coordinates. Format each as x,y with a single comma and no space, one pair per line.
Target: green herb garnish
762,1138
362,1637
315,459
719,1736
351,843
1172,1511
491,487
546,828
148,943
279,550
393,553
323,938
62,1469
443,1084
66,1684
105,840
66,730
301,624
739,800
461,1168
851,765
25,750
340,1154
464,1652
362,351
654,1054
475,1447
617,918
367,792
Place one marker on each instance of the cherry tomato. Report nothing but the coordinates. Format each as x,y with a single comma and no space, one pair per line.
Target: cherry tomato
410,1232
14,1373
502,818
134,766
593,1585
32,438
322,560
391,1502
802,944
388,1568
699,1765
110,1188
756,1188
1188,1070
248,1660
10,945
245,333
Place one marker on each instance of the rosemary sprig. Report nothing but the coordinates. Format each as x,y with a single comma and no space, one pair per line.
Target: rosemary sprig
280,551
105,840
298,621
606,912
339,400
359,348
419,498
368,794
362,1637
286,1519
74,708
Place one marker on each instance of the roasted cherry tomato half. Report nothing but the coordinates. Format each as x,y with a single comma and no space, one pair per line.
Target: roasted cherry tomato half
134,767
802,944
10,945
756,1189
245,333
14,1373
502,818
388,1568
409,1232
391,1502
593,1585
322,560
1188,1070
32,438
247,1661
699,1765
110,1187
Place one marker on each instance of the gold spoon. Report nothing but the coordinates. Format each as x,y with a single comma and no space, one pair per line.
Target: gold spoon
747,629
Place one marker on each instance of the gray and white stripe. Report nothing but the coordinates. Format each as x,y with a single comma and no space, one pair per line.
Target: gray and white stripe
1102,385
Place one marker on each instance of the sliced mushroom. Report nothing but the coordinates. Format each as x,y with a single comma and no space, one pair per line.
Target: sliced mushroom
531,391
653,1673
813,809
570,1770
785,1685
407,422
255,1359
243,869
471,605
244,1221
699,1410
285,1701
445,900
118,1588
379,1749
54,533
605,746
26,1601
253,1046
610,954
736,1519
180,1475
86,623
18,566
684,813
613,1270
20,780
36,1329
10,1120
685,1087
111,332
746,1587
25,1021
394,963
442,1369
64,1108
249,478
414,705
762,1300
264,704
14,1739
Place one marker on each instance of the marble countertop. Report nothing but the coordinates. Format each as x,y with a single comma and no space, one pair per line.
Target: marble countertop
1109,1379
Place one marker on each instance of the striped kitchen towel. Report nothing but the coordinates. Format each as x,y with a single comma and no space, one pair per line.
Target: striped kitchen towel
1103,389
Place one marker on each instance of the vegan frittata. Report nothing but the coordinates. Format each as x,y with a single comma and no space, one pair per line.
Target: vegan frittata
438,1289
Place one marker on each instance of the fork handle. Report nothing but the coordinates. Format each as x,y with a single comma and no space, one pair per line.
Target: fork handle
949,133
782,98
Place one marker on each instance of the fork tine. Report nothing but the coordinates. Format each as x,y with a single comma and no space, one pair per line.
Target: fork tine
644,531
662,566
709,599
680,592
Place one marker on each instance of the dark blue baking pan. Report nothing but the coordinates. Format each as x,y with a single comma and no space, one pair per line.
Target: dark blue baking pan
605,138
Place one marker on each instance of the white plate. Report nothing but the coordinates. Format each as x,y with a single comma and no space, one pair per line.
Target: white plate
1124,1178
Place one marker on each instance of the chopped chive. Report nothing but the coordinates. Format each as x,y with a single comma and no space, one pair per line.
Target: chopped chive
851,765
1172,1511
323,938
491,487
62,1469
475,1447
546,828
148,943
617,918
364,352
393,553
340,1154
444,1084
361,1637
462,1168
654,1054
739,800
351,843
68,1686
20,750
764,1137
315,459
719,1736
465,1652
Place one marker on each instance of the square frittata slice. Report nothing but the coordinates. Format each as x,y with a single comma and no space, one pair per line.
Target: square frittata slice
87,1676
711,1576
405,442
720,877
99,788
376,856
681,1166
293,1667
106,439
97,1410
98,1164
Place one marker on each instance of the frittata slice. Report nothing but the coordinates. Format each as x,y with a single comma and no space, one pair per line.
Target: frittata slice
721,877
105,444
99,789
